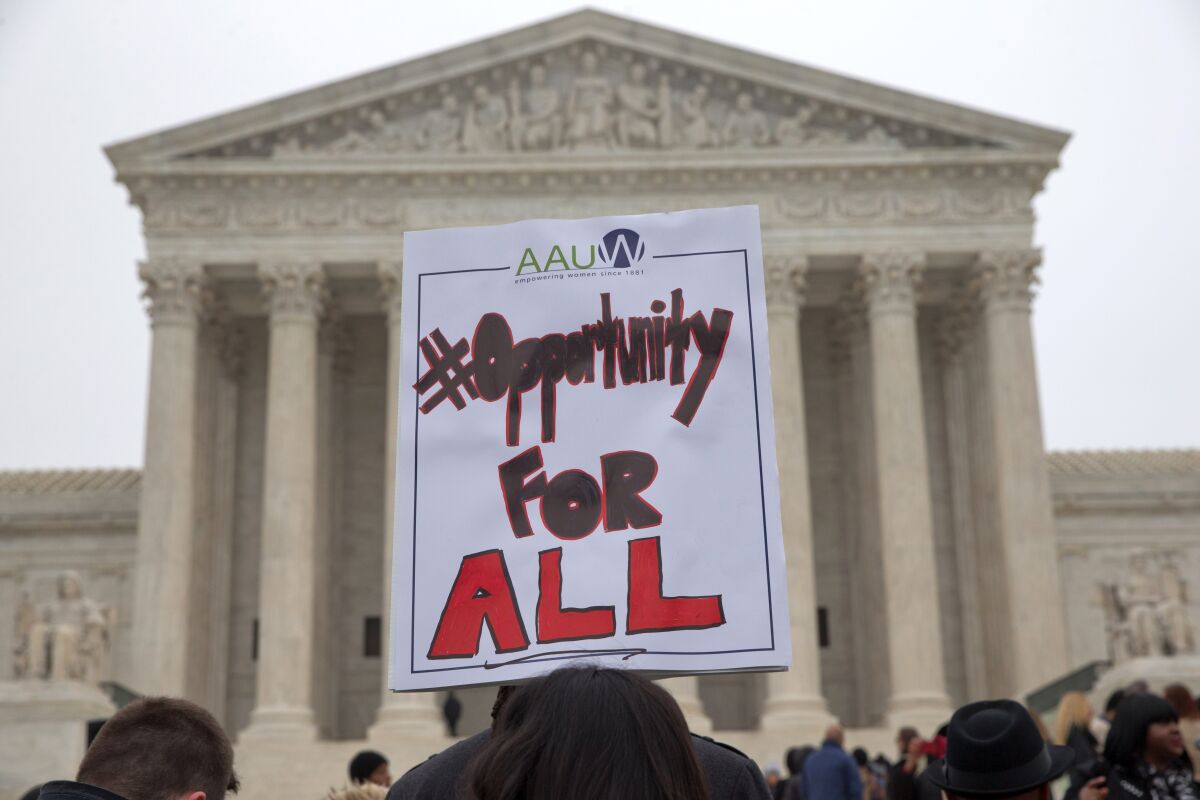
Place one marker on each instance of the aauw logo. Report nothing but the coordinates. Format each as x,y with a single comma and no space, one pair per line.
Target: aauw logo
619,249
622,248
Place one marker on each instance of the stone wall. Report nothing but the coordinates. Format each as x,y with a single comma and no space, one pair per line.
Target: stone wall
1111,507
78,520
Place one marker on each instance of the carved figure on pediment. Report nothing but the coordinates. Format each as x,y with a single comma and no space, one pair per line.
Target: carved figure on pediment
794,131
356,141
641,109
66,639
695,127
589,107
876,135
289,145
442,130
536,122
485,126
1172,612
1116,626
1140,595
745,126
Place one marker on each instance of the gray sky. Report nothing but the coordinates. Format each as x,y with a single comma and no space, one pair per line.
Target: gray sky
1116,323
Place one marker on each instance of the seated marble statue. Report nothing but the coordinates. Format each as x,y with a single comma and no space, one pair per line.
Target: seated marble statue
64,640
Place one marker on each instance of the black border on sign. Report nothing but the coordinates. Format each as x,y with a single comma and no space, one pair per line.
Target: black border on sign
627,653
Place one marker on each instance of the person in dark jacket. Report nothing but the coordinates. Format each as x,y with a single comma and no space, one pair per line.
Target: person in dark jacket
726,772
830,773
153,748
994,749
1143,756
793,787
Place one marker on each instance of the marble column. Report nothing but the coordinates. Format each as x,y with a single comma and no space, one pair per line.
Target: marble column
794,703
956,321
1037,639
918,693
296,295
408,714
166,518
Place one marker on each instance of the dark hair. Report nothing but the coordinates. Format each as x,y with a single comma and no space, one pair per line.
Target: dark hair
1126,739
588,733
159,748
365,763
1182,701
796,757
1114,700
860,756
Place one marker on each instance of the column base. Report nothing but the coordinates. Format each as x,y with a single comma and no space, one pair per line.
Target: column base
924,711
801,717
281,723
407,716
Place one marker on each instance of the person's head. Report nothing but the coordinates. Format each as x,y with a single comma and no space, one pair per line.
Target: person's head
369,766
904,738
1182,701
1110,705
834,733
772,775
161,748
624,733
1146,728
795,758
994,750
860,757
69,586
1074,711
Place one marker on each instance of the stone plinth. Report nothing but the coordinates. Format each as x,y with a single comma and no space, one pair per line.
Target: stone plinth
1157,671
43,731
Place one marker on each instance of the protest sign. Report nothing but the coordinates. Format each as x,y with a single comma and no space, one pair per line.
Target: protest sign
586,455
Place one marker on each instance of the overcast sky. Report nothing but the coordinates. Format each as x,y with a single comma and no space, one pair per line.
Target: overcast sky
1116,318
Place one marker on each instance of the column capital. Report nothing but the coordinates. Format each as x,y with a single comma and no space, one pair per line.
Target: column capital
1005,279
787,282
175,290
889,280
294,290
391,287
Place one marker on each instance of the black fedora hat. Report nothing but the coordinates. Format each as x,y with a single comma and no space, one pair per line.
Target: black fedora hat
993,749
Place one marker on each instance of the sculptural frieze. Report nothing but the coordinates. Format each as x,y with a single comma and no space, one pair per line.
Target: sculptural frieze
1146,609
593,99
589,107
65,639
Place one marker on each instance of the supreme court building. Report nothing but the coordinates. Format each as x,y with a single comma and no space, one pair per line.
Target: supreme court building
935,553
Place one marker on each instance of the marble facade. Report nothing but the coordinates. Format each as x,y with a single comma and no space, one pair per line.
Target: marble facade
929,539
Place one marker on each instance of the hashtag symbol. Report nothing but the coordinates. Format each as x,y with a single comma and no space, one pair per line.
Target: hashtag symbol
447,369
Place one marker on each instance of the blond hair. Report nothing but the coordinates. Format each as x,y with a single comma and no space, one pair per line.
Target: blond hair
1074,711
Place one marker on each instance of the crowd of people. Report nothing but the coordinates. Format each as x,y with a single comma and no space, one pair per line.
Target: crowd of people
592,733
1142,745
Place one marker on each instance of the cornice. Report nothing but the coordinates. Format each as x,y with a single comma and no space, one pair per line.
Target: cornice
795,163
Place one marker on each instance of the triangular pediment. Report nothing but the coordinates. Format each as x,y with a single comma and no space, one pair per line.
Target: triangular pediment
585,83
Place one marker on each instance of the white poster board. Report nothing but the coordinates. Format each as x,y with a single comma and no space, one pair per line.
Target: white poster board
586,457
